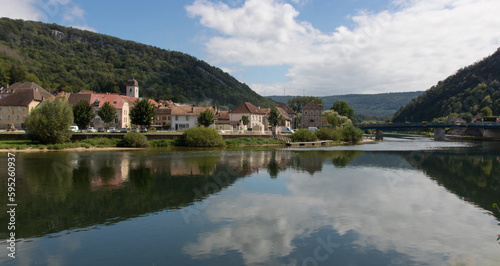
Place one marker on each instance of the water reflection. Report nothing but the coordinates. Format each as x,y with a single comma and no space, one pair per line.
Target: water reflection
275,207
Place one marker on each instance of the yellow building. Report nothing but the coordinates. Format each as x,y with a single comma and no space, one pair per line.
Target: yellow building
18,100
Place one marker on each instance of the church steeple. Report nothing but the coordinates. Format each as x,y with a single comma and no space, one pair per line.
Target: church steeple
132,88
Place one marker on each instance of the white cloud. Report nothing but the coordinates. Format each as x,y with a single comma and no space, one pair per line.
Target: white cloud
410,46
66,11
20,9
264,227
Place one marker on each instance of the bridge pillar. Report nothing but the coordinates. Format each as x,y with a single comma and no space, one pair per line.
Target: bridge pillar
379,134
439,134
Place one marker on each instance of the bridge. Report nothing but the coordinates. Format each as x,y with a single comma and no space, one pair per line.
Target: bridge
488,129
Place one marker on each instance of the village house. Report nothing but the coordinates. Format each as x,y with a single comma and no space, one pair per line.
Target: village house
184,116
256,117
18,101
312,115
291,114
97,100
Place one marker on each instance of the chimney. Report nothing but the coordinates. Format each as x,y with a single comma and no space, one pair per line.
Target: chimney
192,109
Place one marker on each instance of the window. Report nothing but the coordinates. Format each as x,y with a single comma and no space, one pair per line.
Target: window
8,117
0,107
317,113
187,118
1,118
305,112
18,117
176,118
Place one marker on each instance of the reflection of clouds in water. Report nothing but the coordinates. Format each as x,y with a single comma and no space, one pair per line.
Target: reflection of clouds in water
417,218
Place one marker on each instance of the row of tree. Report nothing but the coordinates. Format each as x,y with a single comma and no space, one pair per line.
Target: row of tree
49,123
339,114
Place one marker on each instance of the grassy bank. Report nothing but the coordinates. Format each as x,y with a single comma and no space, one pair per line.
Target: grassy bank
115,143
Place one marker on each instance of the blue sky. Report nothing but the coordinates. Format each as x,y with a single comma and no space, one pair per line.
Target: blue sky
296,47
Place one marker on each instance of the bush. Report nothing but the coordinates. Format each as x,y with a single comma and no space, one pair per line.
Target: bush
49,123
134,139
352,134
201,137
326,133
160,143
303,135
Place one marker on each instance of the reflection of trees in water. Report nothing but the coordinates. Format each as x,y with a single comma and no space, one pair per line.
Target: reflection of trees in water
312,161
476,178
342,158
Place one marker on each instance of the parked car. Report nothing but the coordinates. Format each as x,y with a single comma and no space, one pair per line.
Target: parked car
112,130
286,130
123,130
313,128
144,130
74,128
134,129
91,129
101,129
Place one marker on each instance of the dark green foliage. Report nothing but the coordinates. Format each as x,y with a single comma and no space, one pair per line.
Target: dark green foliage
245,120
206,118
274,117
76,60
326,133
50,122
303,135
83,113
142,113
201,137
296,103
366,106
107,112
102,142
161,143
352,134
486,111
468,91
343,108
135,140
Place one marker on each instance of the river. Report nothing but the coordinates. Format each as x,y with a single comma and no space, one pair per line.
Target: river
405,201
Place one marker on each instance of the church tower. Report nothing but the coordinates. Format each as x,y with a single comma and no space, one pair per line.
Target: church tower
132,88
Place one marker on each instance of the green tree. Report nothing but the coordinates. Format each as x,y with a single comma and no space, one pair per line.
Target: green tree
343,108
4,77
486,111
83,113
206,118
17,74
245,120
296,103
107,113
274,118
142,113
50,122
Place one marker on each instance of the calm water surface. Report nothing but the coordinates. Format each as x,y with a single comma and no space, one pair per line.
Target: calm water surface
405,201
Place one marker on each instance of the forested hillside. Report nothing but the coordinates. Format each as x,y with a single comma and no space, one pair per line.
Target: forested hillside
69,59
367,106
472,90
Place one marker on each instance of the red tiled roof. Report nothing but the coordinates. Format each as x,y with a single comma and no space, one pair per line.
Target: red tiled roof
190,110
287,108
247,108
114,99
313,105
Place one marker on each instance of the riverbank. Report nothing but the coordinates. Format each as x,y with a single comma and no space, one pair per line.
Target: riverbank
24,146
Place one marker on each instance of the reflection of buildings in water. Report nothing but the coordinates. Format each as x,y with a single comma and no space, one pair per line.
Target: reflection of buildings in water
248,162
309,162
111,173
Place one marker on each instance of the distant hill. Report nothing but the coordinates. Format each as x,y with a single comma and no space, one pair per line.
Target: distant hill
366,106
69,59
468,91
